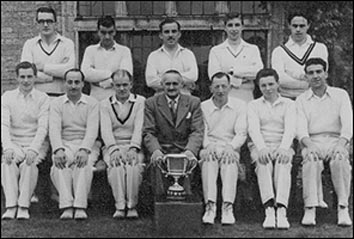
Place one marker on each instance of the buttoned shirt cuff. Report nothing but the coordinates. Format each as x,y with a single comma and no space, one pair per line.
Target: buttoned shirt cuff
58,148
346,136
134,146
86,148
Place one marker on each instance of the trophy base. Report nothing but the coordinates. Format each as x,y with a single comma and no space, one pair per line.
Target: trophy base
176,195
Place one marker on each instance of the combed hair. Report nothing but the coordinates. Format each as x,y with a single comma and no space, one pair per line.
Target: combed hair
174,71
106,21
74,70
46,9
232,15
266,72
167,21
26,65
122,73
315,61
299,14
220,75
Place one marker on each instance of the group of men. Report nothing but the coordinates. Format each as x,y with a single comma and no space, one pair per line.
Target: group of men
131,132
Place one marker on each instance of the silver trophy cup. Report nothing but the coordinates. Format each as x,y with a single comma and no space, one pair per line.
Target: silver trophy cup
176,165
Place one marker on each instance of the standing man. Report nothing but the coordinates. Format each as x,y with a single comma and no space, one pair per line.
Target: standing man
236,57
121,118
173,123
102,59
52,53
24,125
289,59
73,129
171,55
325,128
271,126
225,133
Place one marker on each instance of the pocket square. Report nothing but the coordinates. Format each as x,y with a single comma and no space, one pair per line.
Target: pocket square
189,115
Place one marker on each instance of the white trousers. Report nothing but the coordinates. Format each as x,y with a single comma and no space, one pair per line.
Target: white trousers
229,175
19,179
274,179
73,183
312,174
125,180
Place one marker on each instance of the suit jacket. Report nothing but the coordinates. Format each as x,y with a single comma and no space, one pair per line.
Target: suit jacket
160,131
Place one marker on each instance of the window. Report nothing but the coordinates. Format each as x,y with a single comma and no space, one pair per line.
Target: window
95,8
145,8
195,7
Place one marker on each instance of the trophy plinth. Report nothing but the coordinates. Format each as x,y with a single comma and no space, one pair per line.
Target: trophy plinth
175,165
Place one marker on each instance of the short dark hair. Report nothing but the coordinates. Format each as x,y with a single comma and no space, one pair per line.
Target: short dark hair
48,10
106,21
74,70
315,61
26,65
122,73
266,72
232,15
298,14
220,75
168,21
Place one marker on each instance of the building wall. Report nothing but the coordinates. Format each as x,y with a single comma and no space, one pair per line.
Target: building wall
18,24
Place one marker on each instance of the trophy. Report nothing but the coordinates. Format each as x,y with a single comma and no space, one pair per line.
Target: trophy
175,165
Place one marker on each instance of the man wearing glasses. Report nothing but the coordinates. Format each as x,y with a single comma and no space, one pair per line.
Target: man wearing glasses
289,59
102,59
52,53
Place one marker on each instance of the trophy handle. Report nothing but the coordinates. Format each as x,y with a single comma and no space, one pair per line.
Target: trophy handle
194,164
162,166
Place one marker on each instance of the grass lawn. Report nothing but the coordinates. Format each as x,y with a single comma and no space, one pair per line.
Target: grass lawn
44,222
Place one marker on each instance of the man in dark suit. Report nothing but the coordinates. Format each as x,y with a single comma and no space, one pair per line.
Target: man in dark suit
173,123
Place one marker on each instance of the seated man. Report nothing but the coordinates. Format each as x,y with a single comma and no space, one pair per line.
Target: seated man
73,128
271,126
24,126
325,127
121,119
173,123
225,133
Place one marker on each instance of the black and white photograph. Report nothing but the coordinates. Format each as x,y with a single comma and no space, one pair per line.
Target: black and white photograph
195,119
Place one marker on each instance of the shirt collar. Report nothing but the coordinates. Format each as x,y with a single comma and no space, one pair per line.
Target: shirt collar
31,94
227,105
113,48
169,99
291,42
310,94
179,48
81,100
276,102
226,44
58,37
131,98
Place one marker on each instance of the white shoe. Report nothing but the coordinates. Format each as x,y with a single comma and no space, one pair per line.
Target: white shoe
67,214
227,215
210,213
80,214
343,217
10,213
309,218
323,204
269,221
22,213
34,199
119,214
132,213
282,220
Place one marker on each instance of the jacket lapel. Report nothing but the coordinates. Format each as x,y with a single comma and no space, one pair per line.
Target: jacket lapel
164,108
182,109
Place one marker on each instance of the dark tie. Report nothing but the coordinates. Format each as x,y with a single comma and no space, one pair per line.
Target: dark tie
173,109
